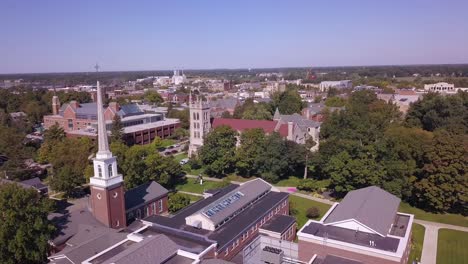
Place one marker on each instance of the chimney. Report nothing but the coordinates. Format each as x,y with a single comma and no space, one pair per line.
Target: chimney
55,105
290,130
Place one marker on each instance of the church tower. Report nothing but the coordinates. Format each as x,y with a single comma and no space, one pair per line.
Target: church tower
107,193
200,123
55,105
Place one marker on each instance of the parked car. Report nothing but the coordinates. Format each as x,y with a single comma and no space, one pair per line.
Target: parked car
183,161
170,147
174,151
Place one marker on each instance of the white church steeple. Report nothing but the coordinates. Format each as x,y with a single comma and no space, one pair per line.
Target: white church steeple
106,186
105,165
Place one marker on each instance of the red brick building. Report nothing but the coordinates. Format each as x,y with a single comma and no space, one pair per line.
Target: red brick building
140,127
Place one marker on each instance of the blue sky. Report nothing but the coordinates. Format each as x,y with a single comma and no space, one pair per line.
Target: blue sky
63,36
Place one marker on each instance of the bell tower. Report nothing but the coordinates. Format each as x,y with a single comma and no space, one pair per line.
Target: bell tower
107,193
200,123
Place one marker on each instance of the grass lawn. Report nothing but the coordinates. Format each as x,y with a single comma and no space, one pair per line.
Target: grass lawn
291,181
167,142
417,239
452,247
451,219
191,186
180,156
302,204
192,198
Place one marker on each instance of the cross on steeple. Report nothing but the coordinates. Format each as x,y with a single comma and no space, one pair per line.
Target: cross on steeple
97,67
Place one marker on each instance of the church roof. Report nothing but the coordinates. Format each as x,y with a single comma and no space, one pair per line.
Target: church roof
243,124
143,194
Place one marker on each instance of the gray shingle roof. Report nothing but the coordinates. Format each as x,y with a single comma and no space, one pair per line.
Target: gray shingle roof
143,194
371,206
148,251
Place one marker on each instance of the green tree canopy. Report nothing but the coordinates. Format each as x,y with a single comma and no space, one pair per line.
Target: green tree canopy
24,227
218,151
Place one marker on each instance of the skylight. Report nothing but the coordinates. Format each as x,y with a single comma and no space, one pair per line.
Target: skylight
223,204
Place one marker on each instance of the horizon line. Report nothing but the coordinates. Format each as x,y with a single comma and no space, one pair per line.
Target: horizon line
245,68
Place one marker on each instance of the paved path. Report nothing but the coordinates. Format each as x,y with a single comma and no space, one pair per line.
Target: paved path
441,225
429,251
191,193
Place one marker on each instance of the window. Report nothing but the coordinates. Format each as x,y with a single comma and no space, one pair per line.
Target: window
154,207
138,213
147,211
99,169
70,123
109,168
226,252
117,223
160,202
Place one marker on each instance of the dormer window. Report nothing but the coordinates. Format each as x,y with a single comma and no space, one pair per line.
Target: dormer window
109,168
99,169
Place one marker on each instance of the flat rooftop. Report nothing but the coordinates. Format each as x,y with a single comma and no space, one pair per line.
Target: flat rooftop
165,122
399,226
279,223
351,236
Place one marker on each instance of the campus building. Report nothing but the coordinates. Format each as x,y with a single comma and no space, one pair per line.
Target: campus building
216,229
365,227
139,126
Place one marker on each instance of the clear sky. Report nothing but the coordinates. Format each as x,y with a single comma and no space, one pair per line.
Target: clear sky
72,35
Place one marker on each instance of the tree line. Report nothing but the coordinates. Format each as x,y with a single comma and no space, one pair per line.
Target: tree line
421,157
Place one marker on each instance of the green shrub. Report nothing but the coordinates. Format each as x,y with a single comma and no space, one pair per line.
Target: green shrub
313,212
308,185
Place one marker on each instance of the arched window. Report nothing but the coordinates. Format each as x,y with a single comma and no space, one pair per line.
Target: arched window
109,168
99,169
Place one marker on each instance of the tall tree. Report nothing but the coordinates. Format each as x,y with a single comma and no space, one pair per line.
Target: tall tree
443,186
117,129
218,151
252,146
24,227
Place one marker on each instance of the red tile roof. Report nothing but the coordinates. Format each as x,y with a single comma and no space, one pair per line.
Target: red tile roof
243,124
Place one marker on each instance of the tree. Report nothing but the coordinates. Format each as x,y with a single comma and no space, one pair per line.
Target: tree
117,129
218,151
54,133
288,102
69,159
252,145
177,201
182,115
153,97
226,114
274,162
335,102
443,186
438,111
257,112
24,227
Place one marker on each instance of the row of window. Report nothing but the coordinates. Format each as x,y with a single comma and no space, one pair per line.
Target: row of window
155,207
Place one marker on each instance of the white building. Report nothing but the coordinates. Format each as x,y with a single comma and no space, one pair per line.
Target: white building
441,87
344,84
178,78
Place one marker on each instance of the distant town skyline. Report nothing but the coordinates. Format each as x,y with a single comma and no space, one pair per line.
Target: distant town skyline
57,36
